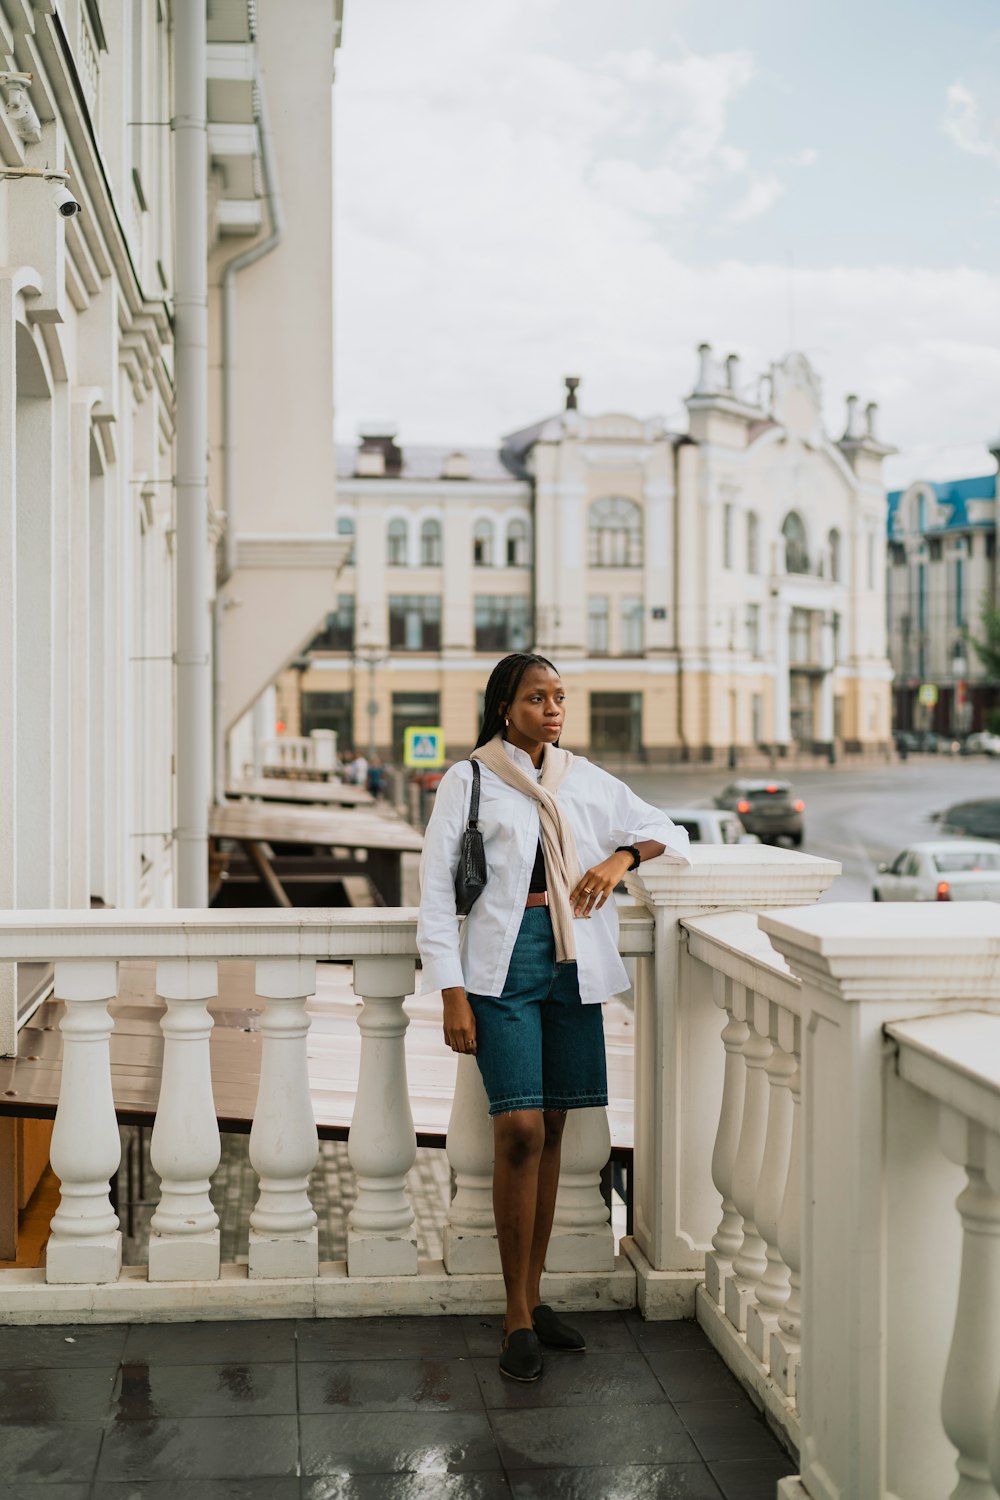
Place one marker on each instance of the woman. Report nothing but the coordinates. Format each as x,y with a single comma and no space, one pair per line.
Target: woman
523,981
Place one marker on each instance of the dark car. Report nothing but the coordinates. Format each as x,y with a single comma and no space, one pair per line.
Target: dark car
767,808
925,742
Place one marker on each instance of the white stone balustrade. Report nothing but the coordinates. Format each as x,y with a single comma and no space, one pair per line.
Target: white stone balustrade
185,1147
786,1340
749,1262
284,1145
582,1239
382,1145
772,1288
729,1236
470,1236
85,1244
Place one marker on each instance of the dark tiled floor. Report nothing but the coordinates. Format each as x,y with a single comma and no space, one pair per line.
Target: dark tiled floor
374,1409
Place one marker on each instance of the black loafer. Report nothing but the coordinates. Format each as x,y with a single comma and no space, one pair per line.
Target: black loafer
520,1356
554,1333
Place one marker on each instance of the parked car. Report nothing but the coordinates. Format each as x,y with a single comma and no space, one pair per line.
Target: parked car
978,819
981,743
962,870
706,825
925,742
767,808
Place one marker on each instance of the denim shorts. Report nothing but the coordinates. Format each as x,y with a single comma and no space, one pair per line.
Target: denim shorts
537,1045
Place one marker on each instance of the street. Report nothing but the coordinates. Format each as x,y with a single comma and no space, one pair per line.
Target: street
857,815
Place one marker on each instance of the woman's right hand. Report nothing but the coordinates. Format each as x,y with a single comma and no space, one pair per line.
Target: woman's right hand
459,1021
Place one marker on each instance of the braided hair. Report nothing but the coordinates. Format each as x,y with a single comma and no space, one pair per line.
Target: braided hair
501,689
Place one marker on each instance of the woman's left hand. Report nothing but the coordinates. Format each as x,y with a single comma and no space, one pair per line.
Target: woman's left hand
596,884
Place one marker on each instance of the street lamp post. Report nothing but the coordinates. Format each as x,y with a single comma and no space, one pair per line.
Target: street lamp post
371,660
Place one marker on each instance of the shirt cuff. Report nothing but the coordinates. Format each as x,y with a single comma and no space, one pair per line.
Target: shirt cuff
441,974
675,841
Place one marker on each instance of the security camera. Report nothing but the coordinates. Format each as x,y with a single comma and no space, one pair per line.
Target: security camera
65,202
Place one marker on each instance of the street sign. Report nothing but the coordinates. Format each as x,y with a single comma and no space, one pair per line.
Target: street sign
928,695
423,748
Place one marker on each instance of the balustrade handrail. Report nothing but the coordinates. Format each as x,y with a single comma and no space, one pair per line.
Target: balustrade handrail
733,944
955,1058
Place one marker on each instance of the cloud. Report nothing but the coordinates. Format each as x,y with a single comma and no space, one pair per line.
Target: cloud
761,193
963,124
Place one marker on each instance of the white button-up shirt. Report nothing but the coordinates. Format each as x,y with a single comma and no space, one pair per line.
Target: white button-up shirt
476,954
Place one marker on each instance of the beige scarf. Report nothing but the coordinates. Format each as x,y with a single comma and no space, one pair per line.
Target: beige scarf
562,864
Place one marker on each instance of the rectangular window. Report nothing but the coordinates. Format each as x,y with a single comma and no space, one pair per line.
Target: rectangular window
837,642
757,718
598,629
338,632
631,625
503,622
991,545
412,711
799,637
345,527
727,536
753,630
616,722
415,622
959,592
330,711
921,599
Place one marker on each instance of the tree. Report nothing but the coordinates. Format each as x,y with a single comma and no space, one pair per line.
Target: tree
987,648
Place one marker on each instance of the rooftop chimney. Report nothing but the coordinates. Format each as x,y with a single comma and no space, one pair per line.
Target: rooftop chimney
705,379
377,451
572,384
851,430
871,412
732,374
456,466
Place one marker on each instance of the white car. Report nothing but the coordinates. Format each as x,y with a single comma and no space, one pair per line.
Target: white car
982,743
710,825
962,870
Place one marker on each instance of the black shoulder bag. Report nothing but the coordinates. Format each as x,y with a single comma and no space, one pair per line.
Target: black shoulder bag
470,877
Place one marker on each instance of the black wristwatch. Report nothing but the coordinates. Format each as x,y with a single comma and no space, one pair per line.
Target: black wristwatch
630,849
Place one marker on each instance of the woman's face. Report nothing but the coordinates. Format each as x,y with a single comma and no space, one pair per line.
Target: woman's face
539,708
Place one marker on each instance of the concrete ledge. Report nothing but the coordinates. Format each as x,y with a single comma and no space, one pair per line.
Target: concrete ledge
661,1295
792,1488
26,1298
749,1371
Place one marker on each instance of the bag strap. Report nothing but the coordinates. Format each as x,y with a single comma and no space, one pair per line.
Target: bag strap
474,801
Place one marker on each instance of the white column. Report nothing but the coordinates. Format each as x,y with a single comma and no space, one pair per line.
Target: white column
9,836
679,1065
284,1145
582,1237
786,1340
972,1377
382,1145
825,734
470,1236
773,1286
185,1146
782,732
85,1244
749,1261
729,1236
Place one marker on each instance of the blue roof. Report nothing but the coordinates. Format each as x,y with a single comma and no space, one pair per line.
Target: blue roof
954,494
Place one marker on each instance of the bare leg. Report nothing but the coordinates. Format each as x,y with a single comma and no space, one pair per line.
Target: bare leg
545,1201
518,1140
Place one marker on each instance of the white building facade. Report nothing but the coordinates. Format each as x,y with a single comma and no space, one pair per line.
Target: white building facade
706,595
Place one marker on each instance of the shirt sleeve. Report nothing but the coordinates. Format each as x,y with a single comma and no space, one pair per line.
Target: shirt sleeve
634,820
437,924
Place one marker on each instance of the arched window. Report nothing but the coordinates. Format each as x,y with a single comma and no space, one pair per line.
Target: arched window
833,543
430,544
345,527
482,544
517,544
397,538
753,542
794,533
615,533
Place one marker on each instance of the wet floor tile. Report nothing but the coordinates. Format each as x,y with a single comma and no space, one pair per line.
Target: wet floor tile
17,1489
196,1489
210,1343
623,1481
585,1436
421,1442
753,1480
729,1430
61,1347
694,1375
49,1451
672,1333
150,1392
406,1487
200,1448
389,1385
29,1396
616,1378
603,1331
381,1338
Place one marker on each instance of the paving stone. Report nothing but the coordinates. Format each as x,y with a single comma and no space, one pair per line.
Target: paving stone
729,1430
249,1342
389,1385
61,1346
612,1379
622,1481
146,1393
755,1479
200,1448
491,1486
19,1489
589,1436
197,1489
49,1451
671,1333
48,1395
693,1375
330,1339
421,1442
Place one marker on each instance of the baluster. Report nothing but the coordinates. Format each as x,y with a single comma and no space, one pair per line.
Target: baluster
86,1243
786,1340
972,1375
729,1235
284,1240
382,1146
582,1237
185,1147
772,1288
749,1262
470,1236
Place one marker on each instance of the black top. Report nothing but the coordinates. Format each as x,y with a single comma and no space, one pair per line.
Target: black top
538,872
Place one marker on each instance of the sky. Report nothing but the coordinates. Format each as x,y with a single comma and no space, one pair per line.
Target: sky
527,189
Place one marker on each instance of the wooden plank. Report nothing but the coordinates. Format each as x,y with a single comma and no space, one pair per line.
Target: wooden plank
320,793
258,858
276,824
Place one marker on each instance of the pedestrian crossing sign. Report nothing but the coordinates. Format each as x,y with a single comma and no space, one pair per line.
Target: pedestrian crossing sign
423,747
